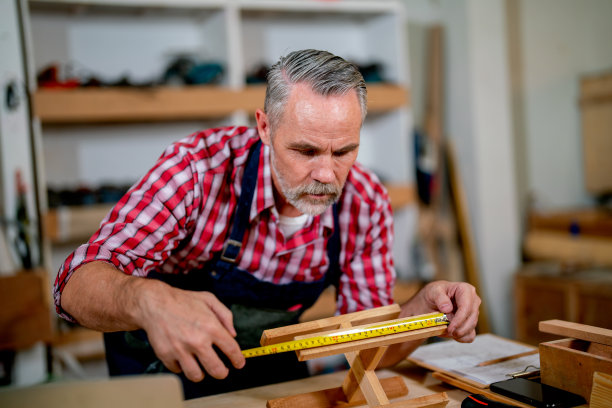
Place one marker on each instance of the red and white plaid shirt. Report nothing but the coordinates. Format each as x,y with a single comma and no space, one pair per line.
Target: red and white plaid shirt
178,216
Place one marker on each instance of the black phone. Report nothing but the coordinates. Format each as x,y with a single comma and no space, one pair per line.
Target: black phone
536,394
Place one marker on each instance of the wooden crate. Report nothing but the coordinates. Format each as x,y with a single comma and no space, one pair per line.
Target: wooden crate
570,363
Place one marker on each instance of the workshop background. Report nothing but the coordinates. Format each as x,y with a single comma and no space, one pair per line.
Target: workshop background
490,122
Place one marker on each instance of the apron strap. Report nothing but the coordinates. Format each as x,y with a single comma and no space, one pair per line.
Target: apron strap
231,247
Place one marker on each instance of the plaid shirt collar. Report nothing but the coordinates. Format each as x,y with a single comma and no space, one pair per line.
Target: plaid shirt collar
263,199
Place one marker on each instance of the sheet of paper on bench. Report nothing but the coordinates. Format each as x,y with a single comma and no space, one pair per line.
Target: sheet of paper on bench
461,360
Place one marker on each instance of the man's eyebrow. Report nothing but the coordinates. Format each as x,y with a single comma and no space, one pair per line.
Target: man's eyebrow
303,146
347,148
308,146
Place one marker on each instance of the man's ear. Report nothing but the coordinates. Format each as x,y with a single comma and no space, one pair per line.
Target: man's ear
263,126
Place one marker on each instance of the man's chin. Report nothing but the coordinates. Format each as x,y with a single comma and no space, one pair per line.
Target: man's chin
312,207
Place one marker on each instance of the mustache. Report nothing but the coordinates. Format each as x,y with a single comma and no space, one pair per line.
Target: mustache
318,188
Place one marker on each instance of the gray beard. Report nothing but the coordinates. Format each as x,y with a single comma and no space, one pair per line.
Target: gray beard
299,196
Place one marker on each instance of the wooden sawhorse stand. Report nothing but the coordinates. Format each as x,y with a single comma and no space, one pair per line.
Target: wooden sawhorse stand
361,385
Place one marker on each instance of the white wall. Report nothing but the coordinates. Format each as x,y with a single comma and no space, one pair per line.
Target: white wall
478,122
560,41
495,212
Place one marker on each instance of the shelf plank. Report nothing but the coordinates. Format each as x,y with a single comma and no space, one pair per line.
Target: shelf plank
91,105
387,97
401,195
97,105
69,224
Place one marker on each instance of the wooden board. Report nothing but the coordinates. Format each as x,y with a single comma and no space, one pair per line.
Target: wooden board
287,333
25,317
151,391
577,331
401,195
74,223
585,221
563,247
596,109
96,105
601,393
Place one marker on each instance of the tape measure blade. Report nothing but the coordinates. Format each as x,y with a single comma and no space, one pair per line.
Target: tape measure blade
341,340
359,328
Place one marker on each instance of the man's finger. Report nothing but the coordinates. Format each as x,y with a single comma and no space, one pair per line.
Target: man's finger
212,363
439,299
466,315
231,349
191,368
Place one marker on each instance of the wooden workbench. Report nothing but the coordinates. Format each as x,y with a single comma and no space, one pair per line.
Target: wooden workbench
419,382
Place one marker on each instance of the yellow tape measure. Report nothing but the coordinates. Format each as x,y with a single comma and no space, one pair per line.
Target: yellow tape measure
398,326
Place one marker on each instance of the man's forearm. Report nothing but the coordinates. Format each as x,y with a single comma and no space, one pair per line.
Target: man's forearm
103,298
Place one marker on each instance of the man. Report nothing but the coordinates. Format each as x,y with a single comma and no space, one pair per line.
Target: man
239,230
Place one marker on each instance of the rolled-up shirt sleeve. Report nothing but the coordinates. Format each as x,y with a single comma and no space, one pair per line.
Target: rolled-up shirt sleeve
144,227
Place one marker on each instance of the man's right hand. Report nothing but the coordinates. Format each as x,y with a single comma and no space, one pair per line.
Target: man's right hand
182,326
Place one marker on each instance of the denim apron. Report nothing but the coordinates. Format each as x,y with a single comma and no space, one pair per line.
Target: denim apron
256,305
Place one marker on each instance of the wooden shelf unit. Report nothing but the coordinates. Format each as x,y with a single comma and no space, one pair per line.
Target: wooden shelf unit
139,39
95,105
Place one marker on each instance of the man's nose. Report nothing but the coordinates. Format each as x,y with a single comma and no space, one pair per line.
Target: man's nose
323,171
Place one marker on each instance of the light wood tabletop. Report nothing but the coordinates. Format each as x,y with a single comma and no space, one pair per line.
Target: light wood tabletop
419,381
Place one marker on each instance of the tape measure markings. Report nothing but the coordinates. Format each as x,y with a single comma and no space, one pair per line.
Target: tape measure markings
345,336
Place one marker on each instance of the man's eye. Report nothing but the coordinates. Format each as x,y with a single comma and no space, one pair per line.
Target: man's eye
341,153
308,153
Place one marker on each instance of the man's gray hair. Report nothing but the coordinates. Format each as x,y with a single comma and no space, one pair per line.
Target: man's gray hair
326,73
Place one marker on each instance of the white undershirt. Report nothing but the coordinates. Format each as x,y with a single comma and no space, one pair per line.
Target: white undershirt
291,225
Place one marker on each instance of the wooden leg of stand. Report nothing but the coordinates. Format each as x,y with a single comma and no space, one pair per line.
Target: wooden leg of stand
362,376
